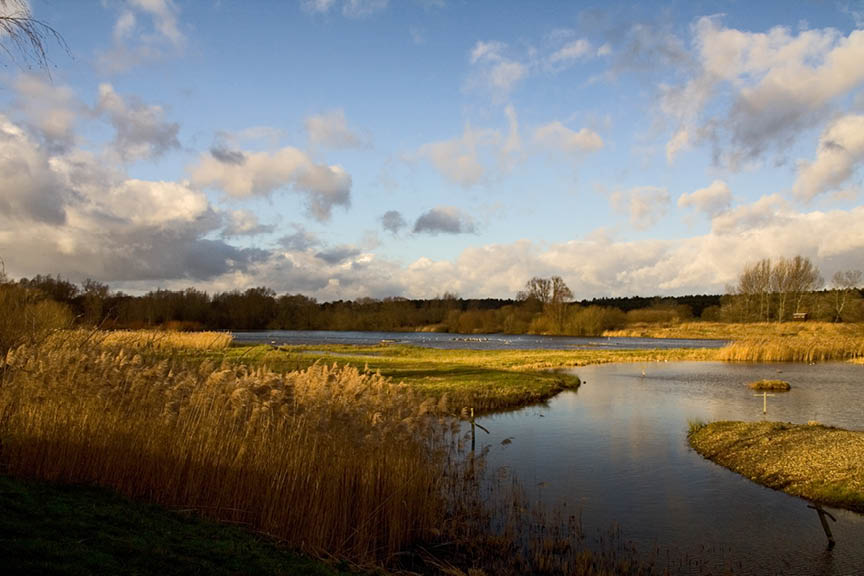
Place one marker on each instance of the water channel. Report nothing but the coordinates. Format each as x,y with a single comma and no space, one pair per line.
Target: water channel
617,451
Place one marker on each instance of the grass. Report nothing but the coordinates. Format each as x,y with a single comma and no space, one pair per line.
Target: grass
767,342
812,461
738,330
165,340
77,530
328,460
360,455
775,385
485,380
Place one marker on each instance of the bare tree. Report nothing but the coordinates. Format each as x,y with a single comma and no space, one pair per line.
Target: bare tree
22,36
537,289
845,289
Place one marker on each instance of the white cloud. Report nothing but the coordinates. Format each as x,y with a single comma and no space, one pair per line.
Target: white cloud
714,199
49,107
331,130
768,210
644,204
780,84
571,51
458,160
493,70
555,135
140,130
244,223
841,150
145,30
262,173
350,8
70,212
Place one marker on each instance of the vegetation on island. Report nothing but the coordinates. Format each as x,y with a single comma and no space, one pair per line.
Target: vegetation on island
815,462
770,385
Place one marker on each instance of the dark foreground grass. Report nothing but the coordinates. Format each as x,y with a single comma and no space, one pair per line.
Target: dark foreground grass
81,530
815,462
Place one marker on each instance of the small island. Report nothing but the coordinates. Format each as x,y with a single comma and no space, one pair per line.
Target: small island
770,385
816,462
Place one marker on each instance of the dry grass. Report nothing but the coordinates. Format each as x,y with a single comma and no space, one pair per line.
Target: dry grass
738,331
779,385
330,460
812,461
803,348
165,340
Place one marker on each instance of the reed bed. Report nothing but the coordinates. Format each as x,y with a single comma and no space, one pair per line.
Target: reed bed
328,459
739,330
165,340
808,348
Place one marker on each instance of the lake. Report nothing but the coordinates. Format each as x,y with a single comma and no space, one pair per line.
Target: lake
468,341
617,450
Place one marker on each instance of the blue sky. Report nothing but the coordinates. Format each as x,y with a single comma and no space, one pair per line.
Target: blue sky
650,149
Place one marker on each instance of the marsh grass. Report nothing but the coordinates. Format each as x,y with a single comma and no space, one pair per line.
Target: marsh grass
328,459
775,385
816,462
165,340
486,380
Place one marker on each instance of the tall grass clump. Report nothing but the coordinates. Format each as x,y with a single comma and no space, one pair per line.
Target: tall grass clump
798,348
329,459
166,340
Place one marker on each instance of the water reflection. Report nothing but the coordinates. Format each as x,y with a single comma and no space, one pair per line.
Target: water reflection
618,449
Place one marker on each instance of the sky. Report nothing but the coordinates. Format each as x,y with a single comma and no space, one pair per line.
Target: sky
373,148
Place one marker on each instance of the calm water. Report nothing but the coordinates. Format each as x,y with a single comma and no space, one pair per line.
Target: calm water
617,449
469,342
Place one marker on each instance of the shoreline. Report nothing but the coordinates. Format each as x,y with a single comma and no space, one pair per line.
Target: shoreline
819,463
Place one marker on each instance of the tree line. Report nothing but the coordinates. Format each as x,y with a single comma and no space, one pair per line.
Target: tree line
766,291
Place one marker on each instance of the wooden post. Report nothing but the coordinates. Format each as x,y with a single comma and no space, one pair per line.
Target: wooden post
822,513
764,401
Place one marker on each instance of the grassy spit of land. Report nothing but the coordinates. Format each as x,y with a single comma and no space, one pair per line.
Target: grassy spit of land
484,380
815,462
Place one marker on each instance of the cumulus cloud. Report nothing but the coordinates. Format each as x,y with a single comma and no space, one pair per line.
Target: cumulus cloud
556,136
841,149
349,8
465,160
393,221
644,204
458,160
29,189
712,200
140,130
444,220
244,223
145,30
64,211
331,130
300,241
262,173
781,83
51,108
767,211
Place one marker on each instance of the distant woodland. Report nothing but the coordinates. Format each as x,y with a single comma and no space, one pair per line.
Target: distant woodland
766,292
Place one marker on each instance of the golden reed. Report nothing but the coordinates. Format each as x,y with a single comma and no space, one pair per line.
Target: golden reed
330,460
